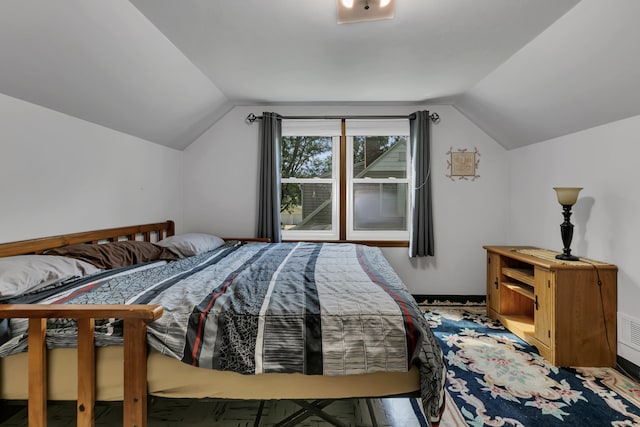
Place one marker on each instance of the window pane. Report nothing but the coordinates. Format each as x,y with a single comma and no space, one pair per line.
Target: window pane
380,207
306,206
379,156
306,156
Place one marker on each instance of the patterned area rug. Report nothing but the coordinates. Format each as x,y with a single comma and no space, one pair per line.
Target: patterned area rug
496,379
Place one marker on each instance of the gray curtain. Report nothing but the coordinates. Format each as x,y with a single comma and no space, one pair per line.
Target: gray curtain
269,186
421,230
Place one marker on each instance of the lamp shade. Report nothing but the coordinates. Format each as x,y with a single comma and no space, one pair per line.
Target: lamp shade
567,196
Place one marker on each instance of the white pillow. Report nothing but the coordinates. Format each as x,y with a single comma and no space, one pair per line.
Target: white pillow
190,244
25,273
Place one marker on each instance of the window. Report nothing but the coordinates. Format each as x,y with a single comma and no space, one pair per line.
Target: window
310,168
345,180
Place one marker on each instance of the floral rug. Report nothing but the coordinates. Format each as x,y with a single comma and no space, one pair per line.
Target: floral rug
496,379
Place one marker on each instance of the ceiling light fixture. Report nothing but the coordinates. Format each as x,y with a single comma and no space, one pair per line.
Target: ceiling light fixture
364,10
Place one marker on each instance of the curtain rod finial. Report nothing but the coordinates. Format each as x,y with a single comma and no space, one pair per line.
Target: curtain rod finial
435,117
251,118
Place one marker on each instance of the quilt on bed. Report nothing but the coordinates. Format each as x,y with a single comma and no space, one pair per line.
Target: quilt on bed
312,308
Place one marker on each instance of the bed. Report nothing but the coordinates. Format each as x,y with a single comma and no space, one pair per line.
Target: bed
178,328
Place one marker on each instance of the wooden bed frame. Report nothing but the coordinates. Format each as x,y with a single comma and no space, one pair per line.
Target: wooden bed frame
135,357
135,317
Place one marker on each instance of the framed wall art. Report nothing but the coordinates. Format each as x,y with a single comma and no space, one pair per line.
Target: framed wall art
463,164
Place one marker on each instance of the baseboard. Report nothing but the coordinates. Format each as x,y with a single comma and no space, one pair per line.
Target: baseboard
457,299
628,368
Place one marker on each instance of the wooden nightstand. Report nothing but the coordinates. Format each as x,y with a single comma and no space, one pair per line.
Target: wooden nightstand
567,309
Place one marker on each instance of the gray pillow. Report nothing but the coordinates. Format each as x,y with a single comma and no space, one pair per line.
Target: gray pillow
26,273
190,244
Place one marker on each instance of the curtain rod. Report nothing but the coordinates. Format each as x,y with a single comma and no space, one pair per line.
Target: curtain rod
433,116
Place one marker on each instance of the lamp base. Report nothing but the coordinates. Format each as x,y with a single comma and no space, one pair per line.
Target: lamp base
567,257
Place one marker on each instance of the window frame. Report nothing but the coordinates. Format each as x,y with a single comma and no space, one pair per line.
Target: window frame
342,200
323,235
362,235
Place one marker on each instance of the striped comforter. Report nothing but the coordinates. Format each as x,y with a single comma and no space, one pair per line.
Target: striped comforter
317,309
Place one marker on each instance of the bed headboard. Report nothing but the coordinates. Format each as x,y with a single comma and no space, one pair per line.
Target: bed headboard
147,232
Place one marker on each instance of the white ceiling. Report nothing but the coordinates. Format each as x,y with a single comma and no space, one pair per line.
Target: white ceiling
584,71
166,70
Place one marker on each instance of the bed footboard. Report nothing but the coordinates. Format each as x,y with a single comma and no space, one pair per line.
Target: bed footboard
135,317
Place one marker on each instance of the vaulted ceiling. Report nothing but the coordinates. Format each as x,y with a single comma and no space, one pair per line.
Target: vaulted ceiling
167,70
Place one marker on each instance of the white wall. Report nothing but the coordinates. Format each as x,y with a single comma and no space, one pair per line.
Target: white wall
60,174
221,181
603,160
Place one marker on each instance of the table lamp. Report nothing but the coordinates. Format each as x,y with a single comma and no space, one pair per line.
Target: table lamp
567,197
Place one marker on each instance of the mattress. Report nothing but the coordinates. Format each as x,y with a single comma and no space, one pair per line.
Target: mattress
170,378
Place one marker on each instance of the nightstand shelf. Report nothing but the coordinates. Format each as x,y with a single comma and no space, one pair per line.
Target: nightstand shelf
520,288
557,306
525,275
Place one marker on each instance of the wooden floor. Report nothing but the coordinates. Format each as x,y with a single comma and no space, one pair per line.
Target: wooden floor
199,413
